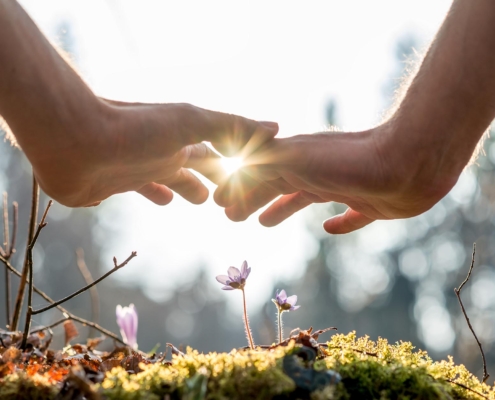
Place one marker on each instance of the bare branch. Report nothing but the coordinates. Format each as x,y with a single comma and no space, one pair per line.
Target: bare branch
6,235
467,388
114,269
5,253
93,291
32,227
29,314
458,294
63,310
7,295
9,245
48,327
15,210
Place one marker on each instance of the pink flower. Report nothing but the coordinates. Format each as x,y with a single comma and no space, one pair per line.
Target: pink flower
127,319
236,279
285,303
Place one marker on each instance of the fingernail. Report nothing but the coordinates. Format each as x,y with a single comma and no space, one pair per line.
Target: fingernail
270,125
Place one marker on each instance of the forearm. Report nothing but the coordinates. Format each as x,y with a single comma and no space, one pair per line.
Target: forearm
451,100
39,91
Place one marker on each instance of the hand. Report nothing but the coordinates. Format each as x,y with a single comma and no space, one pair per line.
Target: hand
352,168
146,148
84,149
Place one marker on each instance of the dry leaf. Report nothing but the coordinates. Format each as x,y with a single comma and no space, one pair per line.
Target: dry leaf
92,343
11,354
71,331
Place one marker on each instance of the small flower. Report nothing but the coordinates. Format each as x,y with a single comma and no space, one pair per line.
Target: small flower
285,303
127,319
236,279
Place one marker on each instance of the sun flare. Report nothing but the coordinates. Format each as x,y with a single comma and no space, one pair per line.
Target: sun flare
231,164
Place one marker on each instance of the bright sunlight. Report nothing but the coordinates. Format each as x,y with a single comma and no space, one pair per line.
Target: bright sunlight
231,164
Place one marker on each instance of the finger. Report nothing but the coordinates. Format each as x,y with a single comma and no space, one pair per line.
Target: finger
95,204
189,186
205,161
347,222
244,181
234,188
284,207
260,196
251,203
229,133
158,194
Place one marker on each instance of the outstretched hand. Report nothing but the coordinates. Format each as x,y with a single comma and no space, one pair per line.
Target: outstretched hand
84,149
351,168
147,148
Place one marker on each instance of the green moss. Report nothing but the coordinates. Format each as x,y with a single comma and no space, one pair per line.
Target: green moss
20,386
369,370
237,375
378,370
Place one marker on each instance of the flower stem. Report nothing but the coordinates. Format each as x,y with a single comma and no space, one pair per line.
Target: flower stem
246,322
280,326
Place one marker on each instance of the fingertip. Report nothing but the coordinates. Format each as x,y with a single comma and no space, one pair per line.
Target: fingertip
332,226
272,128
222,197
266,221
235,215
158,194
201,196
95,204
347,222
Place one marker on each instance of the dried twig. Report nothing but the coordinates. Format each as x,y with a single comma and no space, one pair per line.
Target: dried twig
458,294
15,211
49,327
467,388
29,314
5,224
114,269
63,310
5,254
93,291
9,244
32,227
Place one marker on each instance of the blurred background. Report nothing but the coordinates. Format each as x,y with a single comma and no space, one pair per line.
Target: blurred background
308,66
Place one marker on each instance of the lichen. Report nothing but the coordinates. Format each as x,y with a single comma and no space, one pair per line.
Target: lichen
21,386
369,370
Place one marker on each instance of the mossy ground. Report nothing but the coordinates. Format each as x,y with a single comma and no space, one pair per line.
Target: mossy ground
369,370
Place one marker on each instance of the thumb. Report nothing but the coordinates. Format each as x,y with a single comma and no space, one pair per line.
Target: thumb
347,222
229,133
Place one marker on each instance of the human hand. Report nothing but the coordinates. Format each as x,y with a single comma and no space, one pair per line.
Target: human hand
147,148
84,149
359,169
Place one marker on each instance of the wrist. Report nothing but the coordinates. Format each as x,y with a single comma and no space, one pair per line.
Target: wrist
420,169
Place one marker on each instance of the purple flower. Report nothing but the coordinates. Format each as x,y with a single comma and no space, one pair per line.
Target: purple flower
236,279
285,303
127,319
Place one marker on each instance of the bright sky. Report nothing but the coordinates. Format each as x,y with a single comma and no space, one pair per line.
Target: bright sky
267,60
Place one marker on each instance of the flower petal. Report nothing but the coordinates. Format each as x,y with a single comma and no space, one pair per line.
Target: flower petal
233,273
223,279
120,314
245,270
294,308
292,300
282,296
227,288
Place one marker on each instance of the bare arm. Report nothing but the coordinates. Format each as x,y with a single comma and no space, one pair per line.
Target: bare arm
451,100
84,149
38,89
400,168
